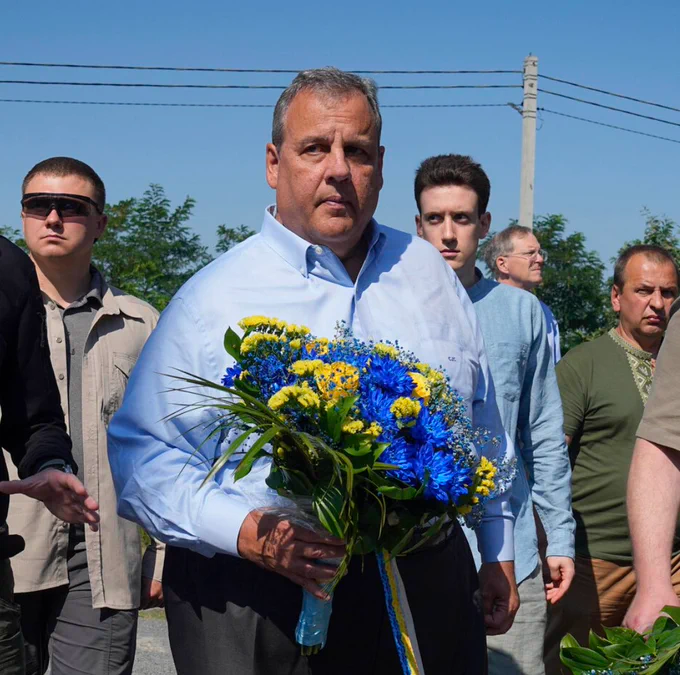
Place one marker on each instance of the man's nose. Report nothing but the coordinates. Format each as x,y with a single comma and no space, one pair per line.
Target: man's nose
338,166
449,229
656,301
53,218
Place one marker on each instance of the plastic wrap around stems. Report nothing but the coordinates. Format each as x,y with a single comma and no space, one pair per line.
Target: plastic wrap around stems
312,628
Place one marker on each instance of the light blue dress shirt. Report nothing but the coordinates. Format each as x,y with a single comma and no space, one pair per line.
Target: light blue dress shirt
521,362
405,291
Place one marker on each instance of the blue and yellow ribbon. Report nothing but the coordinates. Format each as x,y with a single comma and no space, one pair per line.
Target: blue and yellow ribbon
400,615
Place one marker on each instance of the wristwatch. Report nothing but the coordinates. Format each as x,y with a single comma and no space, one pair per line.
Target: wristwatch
58,464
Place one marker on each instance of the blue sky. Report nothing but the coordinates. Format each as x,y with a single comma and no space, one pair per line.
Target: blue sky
598,178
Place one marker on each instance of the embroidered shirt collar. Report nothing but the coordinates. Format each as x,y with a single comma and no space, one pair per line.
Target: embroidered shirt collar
641,364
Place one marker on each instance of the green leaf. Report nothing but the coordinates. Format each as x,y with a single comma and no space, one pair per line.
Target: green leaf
226,455
673,612
401,494
328,503
619,635
232,343
568,641
584,658
595,641
246,464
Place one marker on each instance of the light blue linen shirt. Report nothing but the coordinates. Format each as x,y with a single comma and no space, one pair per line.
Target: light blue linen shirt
405,291
521,362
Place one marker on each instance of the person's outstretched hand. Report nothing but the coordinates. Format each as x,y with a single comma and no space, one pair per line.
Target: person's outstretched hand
62,493
559,573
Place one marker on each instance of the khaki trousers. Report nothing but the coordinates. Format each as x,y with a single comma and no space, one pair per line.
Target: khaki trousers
599,596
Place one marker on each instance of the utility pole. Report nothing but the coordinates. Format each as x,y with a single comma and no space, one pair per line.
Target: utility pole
526,189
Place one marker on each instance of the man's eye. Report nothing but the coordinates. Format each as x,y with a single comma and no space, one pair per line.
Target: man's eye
353,151
434,218
313,149
461,218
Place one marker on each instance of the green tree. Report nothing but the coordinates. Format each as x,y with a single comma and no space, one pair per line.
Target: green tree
14,235
659,231
228,237
573,284
147,249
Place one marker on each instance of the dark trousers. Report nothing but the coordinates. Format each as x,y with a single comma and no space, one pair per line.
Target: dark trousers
228,616
12,661
84,640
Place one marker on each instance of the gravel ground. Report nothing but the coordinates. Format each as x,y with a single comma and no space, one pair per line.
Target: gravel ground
153,650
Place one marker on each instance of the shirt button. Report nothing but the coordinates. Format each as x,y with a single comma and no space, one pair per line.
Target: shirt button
318,250
61,376
59,340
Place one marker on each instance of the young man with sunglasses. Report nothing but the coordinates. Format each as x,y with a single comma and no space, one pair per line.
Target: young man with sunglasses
80,591
452,193
515,257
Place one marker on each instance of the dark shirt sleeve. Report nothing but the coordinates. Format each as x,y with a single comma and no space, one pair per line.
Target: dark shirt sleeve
573,393
661,422
32,426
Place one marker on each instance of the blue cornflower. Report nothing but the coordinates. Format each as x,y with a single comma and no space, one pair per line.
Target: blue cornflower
431,429
374,406
232,374
403,454
447,478
388,374
269,374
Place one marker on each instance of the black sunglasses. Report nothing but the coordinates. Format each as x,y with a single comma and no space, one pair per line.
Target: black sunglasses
41,204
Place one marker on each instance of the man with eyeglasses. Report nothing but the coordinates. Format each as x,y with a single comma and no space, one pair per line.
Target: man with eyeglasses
514,257
79,591
452,193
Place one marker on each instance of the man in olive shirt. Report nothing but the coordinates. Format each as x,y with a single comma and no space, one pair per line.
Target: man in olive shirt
604,386
654,488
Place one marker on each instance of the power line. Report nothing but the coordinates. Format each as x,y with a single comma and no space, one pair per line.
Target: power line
242,105
608,107
609,93
256,70
611,126
246,86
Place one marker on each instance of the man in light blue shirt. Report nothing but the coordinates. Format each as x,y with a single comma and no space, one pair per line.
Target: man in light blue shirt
452,194
514,257
320,258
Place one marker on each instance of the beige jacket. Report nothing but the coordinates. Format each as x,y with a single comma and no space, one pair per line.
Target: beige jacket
118,333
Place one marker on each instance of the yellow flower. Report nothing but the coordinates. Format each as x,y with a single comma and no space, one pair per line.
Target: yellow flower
320,345
485,472
296,343
260,323
404,408
337,380
384,349
422,387
464,510
296,331
374,430
300,394
353,426
304,368
253,340
434,377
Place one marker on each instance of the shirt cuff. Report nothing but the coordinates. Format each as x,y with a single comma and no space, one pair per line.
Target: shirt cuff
561,544
496,540
220,522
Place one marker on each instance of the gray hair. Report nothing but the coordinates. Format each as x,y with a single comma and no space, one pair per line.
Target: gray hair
501,244
332,82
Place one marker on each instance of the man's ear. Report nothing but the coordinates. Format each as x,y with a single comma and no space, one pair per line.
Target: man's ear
272,161
502,265
101,226
616,298
484,224
419,226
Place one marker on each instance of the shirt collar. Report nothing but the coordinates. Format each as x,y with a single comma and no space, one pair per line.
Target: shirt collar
94,294
295,250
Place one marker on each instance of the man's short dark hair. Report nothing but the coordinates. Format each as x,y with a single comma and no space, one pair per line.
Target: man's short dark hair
656,253
503,244
443,170
67,166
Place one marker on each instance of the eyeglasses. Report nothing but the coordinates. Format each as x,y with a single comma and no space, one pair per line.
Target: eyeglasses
41,204
530,256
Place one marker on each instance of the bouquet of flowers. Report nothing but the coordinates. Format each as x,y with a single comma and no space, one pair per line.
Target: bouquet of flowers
625,652
372,444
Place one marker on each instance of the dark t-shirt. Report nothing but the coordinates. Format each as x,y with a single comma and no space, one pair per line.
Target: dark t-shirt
601,396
